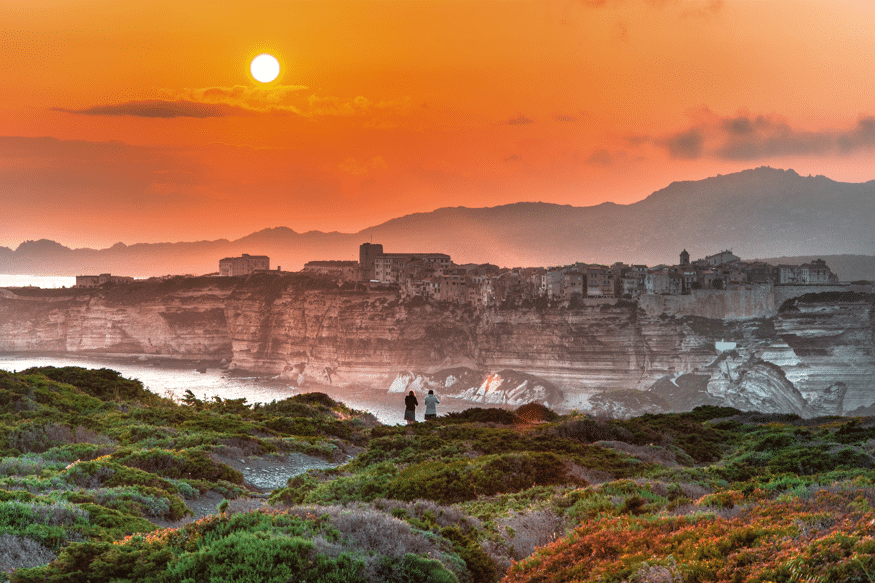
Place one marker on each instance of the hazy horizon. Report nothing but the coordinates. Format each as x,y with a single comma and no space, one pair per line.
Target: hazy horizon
365,232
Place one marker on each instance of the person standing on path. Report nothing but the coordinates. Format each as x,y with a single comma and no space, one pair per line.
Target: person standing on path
410,404
431,401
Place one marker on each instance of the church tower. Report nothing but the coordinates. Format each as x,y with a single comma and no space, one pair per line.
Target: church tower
685,257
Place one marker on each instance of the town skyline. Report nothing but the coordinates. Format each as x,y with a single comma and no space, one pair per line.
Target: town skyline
139,122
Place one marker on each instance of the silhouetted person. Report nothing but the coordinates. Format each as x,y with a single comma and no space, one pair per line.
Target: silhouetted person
410,404
431,402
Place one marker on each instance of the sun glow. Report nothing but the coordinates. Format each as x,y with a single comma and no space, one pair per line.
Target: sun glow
265,68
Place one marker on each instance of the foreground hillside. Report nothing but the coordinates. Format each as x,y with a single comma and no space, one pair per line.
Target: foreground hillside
102,481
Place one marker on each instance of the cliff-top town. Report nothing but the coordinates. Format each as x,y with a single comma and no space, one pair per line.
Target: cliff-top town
435,276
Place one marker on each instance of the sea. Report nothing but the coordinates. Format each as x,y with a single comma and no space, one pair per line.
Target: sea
173,378
43,281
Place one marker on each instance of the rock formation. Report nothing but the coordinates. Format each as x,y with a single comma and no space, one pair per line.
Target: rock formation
813,358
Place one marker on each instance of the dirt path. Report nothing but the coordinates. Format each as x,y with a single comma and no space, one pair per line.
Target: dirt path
261,474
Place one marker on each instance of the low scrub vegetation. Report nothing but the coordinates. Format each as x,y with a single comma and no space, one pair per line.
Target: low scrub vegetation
93,469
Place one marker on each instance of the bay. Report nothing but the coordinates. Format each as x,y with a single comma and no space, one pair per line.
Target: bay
43,281
173,378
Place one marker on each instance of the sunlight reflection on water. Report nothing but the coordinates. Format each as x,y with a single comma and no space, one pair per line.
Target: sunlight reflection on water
43,281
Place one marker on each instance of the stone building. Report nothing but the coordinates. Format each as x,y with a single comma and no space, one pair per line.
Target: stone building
721,258
99,280
244,265
815,273
599,281
368,253
390,267
376,265
345,270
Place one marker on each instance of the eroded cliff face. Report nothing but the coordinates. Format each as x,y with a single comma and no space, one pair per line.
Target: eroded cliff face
813,360
187,324
827,349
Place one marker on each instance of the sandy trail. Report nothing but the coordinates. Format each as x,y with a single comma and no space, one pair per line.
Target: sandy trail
261,475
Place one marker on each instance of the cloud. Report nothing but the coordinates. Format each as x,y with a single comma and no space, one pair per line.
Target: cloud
698,8
239,100
753,137
686,145
863,136
566,118
513,158
702,9
519,120
362,168
600,157
162,109
685,7
634,140
89,175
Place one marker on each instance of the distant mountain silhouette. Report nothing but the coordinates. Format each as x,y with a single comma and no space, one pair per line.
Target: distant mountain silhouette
763,212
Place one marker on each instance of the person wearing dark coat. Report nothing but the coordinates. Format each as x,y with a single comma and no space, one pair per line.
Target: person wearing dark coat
410,404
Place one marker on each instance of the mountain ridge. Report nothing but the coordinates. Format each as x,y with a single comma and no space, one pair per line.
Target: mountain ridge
761,212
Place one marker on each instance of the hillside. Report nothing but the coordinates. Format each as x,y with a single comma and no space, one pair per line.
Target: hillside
99,479
762,212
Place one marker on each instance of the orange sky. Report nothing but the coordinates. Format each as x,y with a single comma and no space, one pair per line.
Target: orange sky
138,120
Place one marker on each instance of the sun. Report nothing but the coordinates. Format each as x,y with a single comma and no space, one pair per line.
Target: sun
265,68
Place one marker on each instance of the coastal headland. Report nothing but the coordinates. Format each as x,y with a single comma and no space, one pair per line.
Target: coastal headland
750,346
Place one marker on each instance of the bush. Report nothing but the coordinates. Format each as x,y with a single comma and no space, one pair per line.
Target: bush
588,430
105,384
421,569
536,413
20,552
247,558
482,415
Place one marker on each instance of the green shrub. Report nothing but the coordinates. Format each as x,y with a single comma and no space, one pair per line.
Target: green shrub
589,431
421,569
535,413
482,415
193,464
248,558
443,482
478,563
105,384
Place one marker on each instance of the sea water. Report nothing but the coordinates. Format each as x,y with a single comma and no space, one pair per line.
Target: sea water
43,281
173,379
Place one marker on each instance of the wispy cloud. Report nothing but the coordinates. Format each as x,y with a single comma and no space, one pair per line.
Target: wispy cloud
600,157
684,7
753,137
241,100
520,120
700,8
162,108
687,145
